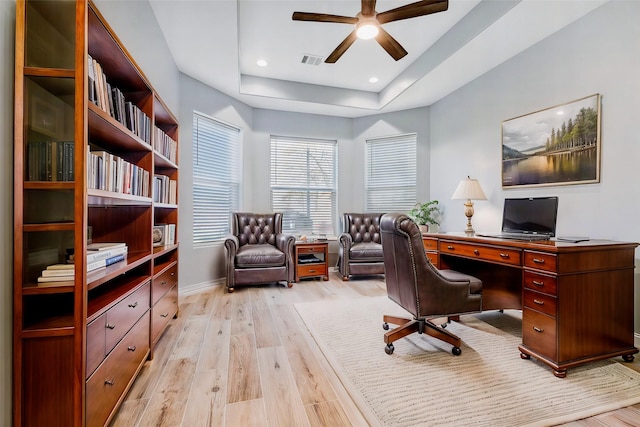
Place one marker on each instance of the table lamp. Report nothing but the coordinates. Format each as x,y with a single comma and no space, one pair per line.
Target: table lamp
469,189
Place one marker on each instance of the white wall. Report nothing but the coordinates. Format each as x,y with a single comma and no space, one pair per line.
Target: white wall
7,37
599,53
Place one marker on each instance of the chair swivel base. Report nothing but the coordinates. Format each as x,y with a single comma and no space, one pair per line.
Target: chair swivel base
409,326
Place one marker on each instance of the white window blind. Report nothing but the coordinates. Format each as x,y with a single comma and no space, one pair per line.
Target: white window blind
216,178
390,174
303,184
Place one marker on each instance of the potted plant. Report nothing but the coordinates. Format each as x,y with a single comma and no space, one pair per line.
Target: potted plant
423,214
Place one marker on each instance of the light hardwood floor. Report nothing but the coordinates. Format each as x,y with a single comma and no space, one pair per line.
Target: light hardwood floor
245,359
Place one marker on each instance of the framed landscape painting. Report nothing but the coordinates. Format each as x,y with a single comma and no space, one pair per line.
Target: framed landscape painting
556,146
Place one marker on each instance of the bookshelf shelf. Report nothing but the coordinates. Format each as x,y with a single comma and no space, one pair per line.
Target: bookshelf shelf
91,138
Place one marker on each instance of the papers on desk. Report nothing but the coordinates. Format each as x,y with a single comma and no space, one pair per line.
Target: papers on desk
572,239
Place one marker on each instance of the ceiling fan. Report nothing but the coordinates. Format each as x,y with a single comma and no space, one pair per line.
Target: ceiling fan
368,24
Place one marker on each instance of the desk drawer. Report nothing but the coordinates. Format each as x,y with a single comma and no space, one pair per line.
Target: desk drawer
312,270
540,261
430,244
433,257
500,255
541,302
540,282
539,333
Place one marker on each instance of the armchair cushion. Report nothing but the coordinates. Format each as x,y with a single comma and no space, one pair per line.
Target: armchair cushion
260,255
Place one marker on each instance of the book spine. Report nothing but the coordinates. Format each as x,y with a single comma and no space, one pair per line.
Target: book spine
114,259
101,255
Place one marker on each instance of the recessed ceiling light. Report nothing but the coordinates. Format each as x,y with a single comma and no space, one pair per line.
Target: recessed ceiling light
262,63
373,80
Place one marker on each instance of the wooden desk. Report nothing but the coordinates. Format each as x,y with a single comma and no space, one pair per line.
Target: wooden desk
576,298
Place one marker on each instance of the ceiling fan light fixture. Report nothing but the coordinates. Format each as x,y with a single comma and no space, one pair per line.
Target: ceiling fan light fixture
367,29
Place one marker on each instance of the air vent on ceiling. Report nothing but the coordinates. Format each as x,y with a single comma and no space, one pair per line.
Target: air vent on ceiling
311,59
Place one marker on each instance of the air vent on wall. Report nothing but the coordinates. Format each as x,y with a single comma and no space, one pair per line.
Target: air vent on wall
311,59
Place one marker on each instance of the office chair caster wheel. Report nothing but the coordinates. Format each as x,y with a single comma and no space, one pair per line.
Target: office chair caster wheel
385,326
456,351
389,348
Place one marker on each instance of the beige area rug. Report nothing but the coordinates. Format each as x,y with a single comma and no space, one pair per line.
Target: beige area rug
423,384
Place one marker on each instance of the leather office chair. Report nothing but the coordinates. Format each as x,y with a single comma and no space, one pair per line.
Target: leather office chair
257,252
359,245
420,288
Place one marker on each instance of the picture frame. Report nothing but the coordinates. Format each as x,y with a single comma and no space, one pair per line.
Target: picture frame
559,145
159,235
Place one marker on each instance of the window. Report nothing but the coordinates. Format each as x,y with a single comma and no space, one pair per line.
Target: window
303,184
216,178
390,174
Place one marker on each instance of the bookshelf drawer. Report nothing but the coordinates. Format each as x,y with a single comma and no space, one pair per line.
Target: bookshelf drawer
162,283
110,380
540,282
96,343
163,311
122,316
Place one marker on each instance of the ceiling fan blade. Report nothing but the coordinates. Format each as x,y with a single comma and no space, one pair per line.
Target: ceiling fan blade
390,44
368,7
323,17
342,48
413,10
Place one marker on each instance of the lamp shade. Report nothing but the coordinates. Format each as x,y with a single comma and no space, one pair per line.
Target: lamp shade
469,189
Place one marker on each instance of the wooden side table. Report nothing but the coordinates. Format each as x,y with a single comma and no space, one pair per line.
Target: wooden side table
311,260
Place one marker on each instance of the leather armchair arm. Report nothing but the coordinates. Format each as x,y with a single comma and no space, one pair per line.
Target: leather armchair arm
285,243
449,296
231,245
345,241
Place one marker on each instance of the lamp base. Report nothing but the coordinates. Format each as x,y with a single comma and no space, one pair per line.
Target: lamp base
468,211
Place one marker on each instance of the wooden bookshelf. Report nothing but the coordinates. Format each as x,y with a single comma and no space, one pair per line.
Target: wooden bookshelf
79,345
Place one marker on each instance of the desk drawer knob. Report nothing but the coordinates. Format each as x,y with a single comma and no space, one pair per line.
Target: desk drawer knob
111,325
312,271
476,252
537,301
538,283
538,261
131,348
110,382
451,248
134,305
535,328
506,256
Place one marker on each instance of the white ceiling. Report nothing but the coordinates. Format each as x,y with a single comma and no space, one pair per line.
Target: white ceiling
218,42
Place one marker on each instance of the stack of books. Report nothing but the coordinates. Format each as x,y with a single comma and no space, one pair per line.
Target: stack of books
104,254
56,275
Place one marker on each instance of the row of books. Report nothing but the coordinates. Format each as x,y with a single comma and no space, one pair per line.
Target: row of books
165,190
165,145
99,255
111,173
50,161
112,101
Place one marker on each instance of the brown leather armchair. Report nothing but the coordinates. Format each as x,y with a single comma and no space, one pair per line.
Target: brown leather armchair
420,288
360,248
257,252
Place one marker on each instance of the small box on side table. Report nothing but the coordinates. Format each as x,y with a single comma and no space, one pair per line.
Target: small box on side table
311,260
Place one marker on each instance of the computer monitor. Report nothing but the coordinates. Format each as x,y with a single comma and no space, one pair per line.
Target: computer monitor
534,215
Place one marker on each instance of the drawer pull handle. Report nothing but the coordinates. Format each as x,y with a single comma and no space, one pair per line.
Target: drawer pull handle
538,283
134,305
164,315
131,348
173,273
502,255
476,252
111,325
312,271
537,301
538,261
110,382
451,248
164,282
535,328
